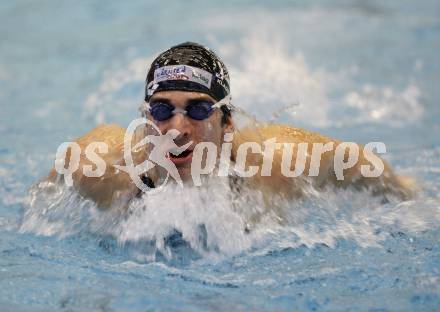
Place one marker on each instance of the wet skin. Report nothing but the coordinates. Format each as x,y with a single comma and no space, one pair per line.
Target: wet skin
116,188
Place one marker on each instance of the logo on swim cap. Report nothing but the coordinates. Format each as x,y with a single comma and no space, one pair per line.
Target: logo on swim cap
183,72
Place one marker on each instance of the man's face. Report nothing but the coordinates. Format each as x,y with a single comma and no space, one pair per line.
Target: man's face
210,129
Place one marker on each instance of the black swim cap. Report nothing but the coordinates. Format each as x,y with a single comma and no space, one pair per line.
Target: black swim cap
188,67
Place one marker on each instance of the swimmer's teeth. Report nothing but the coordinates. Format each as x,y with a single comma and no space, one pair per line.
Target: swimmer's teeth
175,152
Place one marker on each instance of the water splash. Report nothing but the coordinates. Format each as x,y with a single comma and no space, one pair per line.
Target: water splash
275,85
214,222
270,82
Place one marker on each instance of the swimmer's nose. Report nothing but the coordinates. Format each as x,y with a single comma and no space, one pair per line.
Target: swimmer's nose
181,123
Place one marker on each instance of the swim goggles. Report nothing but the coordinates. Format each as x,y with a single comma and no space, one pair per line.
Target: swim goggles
200,110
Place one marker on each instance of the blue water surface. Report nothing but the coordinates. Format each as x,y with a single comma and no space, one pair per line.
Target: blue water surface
355,70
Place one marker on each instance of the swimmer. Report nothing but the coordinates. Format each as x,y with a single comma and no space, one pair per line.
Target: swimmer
187,92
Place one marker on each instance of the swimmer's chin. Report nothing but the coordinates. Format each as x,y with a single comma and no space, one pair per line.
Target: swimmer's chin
185,174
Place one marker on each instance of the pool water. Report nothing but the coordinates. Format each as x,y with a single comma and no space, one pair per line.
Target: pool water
354,70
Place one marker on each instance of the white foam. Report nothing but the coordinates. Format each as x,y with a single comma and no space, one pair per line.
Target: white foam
105,99
213,223
385,105
271,83
269,80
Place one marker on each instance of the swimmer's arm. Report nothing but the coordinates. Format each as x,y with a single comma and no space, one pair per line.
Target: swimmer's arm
387,182
113,187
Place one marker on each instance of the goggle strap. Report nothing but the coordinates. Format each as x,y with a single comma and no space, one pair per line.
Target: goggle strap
225,101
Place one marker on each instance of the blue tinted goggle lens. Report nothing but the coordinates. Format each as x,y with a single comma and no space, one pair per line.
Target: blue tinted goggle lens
197,111
161,111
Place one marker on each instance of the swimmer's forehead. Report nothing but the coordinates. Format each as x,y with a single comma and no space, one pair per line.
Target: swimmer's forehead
180,97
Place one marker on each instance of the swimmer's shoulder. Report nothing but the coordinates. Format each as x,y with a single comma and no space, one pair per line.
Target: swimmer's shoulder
113,186
110,134
282,133
388,182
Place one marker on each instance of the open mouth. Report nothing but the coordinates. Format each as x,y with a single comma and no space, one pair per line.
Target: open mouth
181,158
183,154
